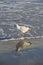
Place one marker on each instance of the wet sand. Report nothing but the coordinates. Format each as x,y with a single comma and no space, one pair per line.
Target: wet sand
32,55
11,44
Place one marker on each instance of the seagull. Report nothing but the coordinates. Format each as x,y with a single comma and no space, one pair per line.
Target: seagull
23,29
22,44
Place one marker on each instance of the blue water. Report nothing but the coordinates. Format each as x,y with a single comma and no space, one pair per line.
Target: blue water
33,56
23,12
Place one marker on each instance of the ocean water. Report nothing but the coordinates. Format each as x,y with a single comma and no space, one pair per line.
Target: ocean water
23,12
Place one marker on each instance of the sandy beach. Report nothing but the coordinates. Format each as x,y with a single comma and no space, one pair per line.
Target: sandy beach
32,55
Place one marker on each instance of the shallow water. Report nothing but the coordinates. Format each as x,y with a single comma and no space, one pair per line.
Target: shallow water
32,55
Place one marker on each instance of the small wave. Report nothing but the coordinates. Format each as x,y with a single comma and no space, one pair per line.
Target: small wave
7,39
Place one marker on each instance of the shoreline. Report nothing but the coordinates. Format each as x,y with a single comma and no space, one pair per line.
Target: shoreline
11,44
33,37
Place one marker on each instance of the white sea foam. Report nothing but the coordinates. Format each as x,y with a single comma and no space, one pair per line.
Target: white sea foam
30,34
3,23
4,39
1,30
35,32
11,29
23,38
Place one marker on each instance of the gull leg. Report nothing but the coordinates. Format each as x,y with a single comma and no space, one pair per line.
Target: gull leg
22,35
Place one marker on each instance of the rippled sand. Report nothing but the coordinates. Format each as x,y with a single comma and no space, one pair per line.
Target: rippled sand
32,55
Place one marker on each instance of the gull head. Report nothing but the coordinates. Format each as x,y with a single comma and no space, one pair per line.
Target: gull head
17,26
